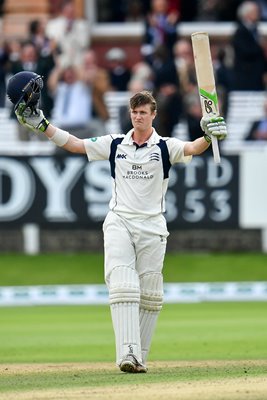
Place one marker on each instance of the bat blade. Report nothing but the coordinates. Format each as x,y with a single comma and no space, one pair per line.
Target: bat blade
206,82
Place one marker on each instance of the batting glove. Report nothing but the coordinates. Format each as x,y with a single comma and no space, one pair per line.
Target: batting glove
32,119
214,126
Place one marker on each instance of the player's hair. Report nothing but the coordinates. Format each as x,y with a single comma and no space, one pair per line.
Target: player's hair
143,98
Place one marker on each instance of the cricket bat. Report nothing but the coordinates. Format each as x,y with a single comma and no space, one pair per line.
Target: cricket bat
206,82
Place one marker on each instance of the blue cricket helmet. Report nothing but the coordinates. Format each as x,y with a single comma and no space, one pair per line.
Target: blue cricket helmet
25,86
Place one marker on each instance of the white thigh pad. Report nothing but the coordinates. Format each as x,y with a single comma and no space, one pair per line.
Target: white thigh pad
124,285
151,285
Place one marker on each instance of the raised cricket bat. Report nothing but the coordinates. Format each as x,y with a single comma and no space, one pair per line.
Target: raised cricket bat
206,82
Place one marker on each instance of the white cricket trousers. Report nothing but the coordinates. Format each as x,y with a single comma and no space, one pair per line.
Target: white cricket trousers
134,255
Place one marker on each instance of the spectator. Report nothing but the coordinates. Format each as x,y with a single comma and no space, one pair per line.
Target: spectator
249,60
71,34
73,102
185,67
26,59
119,73
14,50
142,71
163,68
169,108
160,29
37,36
167,92
72,99
98,82
223,76
258,130
47,55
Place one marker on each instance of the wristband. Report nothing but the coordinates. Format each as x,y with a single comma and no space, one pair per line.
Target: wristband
207,138
43,125
60,137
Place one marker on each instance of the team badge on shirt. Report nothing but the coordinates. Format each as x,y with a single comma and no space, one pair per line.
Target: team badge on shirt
154,157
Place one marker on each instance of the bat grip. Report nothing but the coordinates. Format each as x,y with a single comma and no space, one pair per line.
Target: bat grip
215,149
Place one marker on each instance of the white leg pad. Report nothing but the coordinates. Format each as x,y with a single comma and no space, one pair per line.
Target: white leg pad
151,300
124,297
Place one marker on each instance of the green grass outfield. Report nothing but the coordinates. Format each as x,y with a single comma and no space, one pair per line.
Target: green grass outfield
201,351
203,331
19,269
232,335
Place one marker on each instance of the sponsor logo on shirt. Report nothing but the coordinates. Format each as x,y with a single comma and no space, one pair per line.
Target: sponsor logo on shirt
122,156
135,167
137,173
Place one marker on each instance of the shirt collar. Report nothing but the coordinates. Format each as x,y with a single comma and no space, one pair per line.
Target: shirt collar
154,138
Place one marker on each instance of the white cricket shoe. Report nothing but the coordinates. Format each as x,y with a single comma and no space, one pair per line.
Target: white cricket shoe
131,365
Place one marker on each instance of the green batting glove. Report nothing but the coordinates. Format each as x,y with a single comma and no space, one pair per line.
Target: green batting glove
32,119
214,126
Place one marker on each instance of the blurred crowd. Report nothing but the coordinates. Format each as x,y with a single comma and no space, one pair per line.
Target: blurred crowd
188,10
75,83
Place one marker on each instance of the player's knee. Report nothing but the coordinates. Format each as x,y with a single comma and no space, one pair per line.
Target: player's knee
124,285
151,286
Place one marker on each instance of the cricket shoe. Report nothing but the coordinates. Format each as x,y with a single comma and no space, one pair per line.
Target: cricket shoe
132,365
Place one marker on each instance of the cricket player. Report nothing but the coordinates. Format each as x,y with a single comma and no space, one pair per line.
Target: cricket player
135,231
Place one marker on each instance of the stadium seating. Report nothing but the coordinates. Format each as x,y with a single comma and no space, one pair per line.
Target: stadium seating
8,127
244,108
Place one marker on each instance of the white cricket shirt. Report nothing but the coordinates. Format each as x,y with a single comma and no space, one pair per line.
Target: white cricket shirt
139,173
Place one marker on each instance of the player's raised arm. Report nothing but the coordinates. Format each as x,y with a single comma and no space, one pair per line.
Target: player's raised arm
206,82
24,90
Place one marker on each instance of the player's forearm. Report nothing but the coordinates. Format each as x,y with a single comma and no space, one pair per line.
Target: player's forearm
196,147
201,145
65,140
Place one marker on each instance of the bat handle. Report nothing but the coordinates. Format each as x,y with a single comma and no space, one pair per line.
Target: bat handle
215,149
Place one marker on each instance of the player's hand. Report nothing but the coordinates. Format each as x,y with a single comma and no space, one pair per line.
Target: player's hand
31,118
214,126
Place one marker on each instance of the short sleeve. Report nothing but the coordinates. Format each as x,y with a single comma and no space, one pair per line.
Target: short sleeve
176,151
98,148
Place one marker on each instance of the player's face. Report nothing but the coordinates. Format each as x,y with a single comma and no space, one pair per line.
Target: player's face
142,117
